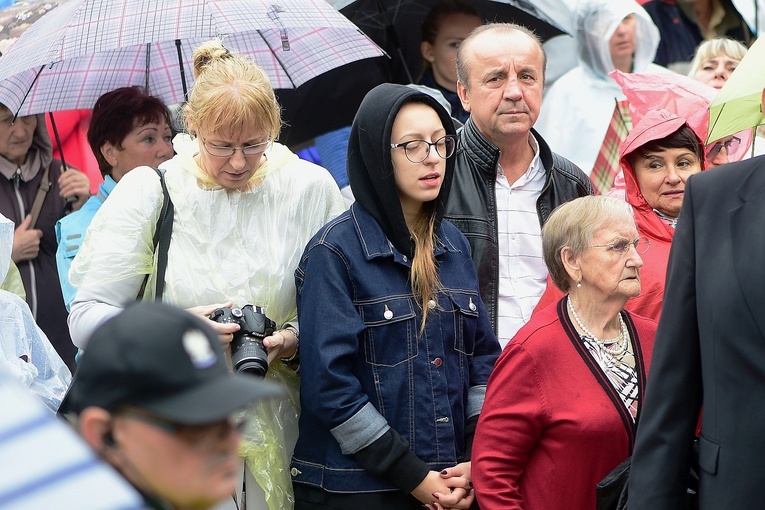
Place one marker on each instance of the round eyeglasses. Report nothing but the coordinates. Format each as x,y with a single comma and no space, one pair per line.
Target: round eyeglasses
418,151
622,246
226,152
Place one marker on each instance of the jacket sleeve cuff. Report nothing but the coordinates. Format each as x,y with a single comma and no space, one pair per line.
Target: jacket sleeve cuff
360,430
390,457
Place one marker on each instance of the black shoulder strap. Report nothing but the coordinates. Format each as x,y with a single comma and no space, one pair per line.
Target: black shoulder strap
162,234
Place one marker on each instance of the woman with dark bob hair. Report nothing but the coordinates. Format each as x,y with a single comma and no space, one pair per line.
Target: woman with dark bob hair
128,129
562,402
658,156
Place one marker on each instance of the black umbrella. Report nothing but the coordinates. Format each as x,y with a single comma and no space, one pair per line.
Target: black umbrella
329,101
395,26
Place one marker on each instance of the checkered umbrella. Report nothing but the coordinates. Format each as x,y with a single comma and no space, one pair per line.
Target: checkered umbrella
84,48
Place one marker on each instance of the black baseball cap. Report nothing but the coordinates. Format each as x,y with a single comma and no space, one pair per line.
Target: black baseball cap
164,360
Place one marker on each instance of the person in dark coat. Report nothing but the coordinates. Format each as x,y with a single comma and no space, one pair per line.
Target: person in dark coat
710,351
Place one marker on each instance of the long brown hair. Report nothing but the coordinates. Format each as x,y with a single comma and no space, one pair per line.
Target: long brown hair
424,273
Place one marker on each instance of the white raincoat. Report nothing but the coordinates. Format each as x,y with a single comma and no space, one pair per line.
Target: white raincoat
578,107
238,246
25,351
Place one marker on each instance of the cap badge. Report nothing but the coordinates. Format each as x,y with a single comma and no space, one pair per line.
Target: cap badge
198,348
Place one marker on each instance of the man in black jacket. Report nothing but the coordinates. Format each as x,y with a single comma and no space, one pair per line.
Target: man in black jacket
507,181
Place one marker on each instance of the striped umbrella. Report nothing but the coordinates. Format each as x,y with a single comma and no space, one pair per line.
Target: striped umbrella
83,48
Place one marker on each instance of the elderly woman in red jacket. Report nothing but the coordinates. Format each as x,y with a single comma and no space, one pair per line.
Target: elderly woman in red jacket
562,401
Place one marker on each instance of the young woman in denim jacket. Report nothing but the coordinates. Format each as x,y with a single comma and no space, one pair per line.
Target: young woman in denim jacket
397,346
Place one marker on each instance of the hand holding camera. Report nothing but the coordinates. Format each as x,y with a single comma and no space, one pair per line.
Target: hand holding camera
248,354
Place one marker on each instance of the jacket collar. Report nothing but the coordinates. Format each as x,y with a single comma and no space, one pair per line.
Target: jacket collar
480,149
375,244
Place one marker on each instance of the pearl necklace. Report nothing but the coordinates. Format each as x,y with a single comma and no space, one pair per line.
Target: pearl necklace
615,347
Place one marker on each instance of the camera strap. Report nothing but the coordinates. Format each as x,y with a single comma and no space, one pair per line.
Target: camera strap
163,231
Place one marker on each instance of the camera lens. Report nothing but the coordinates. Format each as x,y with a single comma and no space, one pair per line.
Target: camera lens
256,367
248,356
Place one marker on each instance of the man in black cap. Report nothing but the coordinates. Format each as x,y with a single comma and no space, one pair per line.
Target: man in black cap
154,394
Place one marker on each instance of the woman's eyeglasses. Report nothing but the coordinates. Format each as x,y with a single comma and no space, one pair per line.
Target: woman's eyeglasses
730,146
226,152
418,151
622,246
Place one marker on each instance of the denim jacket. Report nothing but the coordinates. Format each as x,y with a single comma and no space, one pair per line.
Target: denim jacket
364,366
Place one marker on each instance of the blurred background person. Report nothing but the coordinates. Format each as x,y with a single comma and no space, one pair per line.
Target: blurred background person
170,419
447,24
29,171
398,345
682,31
245,207
25,352
714,62
610,34
128,129
562,402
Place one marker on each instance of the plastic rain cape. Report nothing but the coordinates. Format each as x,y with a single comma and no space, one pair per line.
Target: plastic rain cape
25,351
237,246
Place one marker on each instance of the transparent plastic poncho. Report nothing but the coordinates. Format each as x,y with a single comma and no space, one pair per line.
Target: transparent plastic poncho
237,246
25,351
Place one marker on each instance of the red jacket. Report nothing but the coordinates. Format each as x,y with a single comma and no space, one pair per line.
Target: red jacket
552,426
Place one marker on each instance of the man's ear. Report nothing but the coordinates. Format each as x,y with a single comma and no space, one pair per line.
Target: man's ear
95,426
463,94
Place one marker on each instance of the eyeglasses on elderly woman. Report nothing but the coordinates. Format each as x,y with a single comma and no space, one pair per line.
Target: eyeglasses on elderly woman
622,246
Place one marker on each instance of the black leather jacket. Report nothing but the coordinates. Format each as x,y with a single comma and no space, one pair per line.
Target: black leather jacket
472,201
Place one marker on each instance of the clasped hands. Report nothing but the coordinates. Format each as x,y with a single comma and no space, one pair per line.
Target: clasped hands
451,488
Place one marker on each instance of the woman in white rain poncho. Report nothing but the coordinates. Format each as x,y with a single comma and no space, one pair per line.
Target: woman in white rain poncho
577,108
25,351
245,207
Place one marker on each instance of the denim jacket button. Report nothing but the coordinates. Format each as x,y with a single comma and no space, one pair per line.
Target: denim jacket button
431,304
437,362
388,314
295,471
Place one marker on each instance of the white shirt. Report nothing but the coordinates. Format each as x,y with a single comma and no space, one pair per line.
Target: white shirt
522,270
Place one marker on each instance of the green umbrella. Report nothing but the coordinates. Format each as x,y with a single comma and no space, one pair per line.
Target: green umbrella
738,105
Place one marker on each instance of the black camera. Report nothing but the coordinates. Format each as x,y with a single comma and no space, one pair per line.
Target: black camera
247,352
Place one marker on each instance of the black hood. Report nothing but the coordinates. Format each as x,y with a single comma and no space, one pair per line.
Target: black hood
370,169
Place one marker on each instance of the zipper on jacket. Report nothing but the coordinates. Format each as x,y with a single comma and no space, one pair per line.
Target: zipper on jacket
32,291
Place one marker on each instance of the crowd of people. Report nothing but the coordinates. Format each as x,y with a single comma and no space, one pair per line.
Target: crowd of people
520,288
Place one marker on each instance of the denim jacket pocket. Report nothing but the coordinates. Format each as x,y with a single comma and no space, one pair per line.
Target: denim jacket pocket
465,321
390,331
